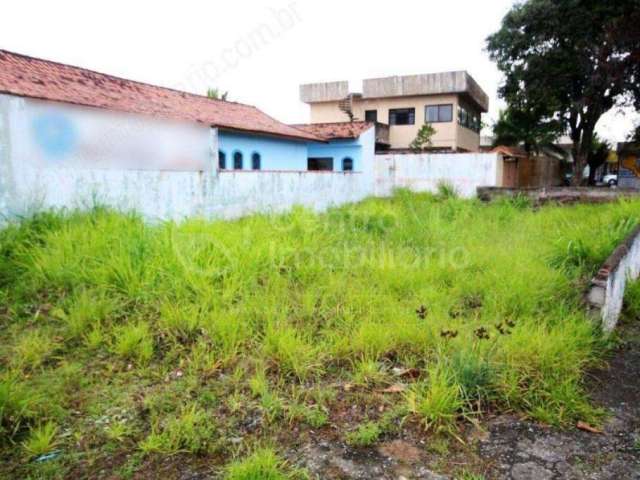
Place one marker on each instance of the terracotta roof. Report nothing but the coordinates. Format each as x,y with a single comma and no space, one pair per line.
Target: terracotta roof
333,131
510,151
42,79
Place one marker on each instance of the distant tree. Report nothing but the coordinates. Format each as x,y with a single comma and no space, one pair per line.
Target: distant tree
216,94
570,61
423,138
520,127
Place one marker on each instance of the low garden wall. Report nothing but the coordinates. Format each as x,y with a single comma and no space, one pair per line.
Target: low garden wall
605,294
557,194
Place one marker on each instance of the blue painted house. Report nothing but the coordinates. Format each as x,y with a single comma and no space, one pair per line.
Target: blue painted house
341,149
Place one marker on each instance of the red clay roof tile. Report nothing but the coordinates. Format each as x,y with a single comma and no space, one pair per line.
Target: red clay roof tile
31,77
337,130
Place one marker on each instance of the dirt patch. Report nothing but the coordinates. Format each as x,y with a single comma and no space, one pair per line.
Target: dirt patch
401,451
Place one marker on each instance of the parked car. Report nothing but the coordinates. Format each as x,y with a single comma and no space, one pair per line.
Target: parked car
610,179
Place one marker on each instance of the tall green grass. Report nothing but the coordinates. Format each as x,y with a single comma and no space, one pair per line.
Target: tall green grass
202,332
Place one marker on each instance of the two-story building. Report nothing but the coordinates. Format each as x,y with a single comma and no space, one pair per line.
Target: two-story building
452,102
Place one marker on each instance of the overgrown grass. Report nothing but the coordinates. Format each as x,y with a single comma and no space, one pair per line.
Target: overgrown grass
182,339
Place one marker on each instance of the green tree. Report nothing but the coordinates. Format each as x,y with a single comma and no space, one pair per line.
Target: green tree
216,94
423,138
570,61
519,126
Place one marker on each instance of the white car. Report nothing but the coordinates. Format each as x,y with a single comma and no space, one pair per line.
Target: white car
611,179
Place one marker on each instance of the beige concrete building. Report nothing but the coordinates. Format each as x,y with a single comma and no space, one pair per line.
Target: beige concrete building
451,102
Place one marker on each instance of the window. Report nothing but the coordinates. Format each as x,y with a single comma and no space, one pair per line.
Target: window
371,116
237,161
347,164
222,160
320,163
256,161
402,116
438,113
469,119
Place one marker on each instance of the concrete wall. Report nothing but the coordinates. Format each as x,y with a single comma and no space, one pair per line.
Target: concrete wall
31,180
426,84
324,92
448,135
276,153
423,172
606,293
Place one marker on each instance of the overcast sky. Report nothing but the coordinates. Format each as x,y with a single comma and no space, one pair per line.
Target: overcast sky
261,51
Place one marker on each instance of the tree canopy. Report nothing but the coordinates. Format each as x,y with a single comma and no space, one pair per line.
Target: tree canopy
567,62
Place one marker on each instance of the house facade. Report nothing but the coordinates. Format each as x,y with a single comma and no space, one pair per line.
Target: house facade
452,102
64,115
70,136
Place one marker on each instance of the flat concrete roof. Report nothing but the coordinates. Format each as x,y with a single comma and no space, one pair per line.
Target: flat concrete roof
459,82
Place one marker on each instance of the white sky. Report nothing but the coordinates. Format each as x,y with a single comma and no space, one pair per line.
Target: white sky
260,55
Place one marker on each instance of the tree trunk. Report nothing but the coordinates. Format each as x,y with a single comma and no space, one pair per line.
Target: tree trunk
592,174
580,162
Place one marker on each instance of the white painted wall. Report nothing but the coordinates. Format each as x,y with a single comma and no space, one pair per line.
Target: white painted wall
169,175
628,270
95,171
423,172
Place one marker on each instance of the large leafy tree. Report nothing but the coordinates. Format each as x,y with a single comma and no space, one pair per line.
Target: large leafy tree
517,126
570,61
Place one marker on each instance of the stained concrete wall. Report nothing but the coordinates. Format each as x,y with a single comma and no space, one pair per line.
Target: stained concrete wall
606,292
324,92
424,172
31,180
426,84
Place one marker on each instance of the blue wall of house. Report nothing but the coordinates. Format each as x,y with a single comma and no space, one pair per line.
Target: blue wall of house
275,153
338,150
283,154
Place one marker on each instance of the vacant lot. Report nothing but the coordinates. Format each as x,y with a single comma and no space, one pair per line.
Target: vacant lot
220,344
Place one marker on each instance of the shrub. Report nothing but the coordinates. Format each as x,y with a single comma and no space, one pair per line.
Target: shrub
191,430
133,342
33,348
438,402
16,406
446,190
87,309
291,352
41,440
263,464
365,435
474,374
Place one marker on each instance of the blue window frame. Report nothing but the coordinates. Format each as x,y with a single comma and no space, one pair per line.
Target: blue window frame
347,164
222,160
237,161
256,161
